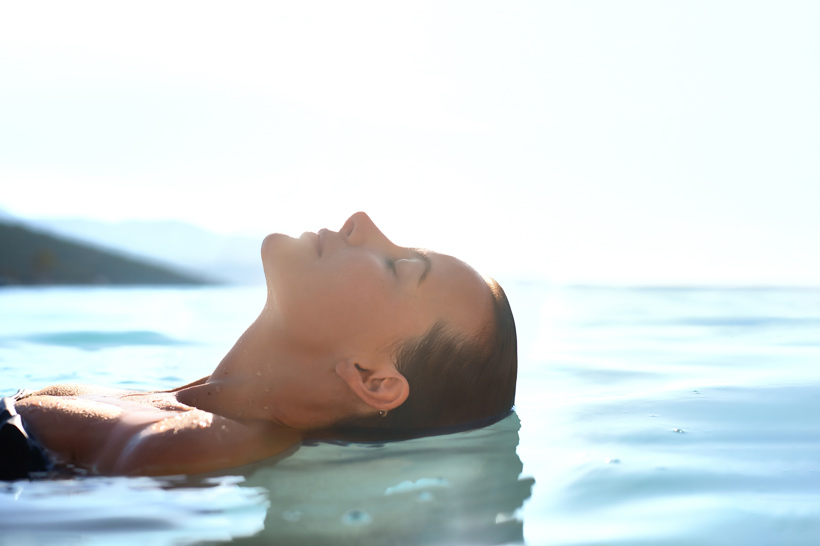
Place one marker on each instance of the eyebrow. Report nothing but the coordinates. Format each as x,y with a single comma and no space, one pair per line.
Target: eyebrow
424,256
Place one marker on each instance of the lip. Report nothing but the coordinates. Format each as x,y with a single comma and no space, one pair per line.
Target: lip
320,243
315,239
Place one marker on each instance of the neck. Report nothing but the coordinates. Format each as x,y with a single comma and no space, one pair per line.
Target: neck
237,386
262,377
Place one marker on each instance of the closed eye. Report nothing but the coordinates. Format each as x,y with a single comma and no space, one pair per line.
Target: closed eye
421,254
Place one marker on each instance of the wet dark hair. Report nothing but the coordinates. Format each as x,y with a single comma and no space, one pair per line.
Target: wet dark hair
457,382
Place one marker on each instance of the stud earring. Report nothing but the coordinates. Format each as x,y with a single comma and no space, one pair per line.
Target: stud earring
382,413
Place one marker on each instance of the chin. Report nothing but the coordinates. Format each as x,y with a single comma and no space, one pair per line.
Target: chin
272,247
274,241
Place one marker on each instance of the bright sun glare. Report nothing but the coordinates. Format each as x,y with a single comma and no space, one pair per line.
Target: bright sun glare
665,142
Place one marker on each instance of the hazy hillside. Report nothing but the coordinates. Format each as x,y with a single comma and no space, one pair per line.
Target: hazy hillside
184,247
31,257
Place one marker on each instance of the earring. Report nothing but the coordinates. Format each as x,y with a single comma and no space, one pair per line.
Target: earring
382,413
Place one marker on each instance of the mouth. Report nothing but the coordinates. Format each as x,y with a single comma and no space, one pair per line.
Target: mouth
321,237
316,240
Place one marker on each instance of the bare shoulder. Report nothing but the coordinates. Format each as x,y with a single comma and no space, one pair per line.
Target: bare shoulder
147,435
71,389
198,441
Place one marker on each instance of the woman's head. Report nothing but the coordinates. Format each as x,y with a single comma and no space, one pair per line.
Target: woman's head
416,334
456,380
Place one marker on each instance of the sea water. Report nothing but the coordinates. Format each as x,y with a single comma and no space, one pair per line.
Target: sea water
644,416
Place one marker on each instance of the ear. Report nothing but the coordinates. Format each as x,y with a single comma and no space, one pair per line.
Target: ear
378,384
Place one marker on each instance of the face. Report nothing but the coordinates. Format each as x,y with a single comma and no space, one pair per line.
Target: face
354,291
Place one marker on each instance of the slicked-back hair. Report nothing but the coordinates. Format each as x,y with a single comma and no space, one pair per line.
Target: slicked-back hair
456,381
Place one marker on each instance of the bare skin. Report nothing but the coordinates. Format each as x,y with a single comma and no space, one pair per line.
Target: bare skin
321,351
120,432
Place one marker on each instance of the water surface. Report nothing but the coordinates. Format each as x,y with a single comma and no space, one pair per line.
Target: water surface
644,416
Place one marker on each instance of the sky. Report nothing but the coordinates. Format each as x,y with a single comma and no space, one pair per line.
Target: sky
655,142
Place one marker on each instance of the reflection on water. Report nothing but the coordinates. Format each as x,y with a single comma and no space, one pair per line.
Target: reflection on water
461,488
126,511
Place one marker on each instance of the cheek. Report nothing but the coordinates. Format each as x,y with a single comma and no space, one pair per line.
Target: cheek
357,293
335,298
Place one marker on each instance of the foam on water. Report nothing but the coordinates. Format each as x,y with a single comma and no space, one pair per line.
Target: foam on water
656,416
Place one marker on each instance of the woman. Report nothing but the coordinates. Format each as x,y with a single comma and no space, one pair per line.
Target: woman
357,334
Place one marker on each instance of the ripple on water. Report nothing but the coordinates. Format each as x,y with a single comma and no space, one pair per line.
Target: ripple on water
355,518
95,340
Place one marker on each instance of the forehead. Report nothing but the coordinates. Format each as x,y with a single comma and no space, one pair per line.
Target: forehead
458,294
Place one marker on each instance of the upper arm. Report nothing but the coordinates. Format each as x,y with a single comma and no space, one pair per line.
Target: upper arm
195,442
148,441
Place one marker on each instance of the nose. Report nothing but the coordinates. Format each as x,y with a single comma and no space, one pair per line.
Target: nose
360,229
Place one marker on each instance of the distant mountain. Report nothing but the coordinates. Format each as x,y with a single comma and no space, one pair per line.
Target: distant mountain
184,247
31,257
7,217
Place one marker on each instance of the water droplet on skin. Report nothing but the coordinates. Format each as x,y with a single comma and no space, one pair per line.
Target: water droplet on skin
218,388
265,407
356,517
258,373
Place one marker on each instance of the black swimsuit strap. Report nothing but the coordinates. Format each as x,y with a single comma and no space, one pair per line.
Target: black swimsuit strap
20,454
20,394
